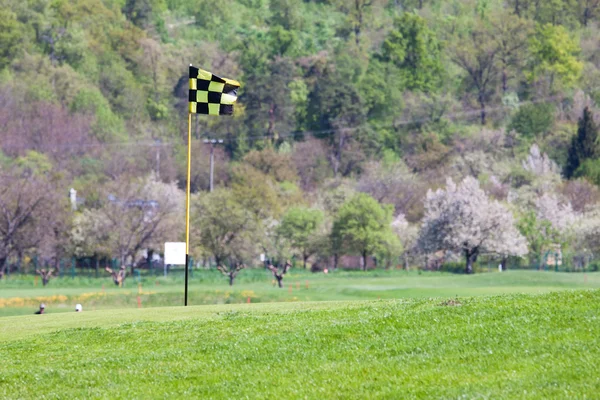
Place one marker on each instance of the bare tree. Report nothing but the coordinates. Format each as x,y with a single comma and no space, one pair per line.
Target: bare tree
279,273
231,272
118,276
29,208
134,216
46,275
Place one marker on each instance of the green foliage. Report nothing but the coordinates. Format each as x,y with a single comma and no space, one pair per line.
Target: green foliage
362,226
34,163
371,78
554,53
107,125
533,120
539,234
414,49
590,169
584,146
10,36
299,226
227,230
334,102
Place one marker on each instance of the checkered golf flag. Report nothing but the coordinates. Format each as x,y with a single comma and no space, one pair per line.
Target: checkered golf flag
210,94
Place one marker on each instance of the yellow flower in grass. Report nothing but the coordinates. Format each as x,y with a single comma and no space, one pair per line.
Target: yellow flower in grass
248,293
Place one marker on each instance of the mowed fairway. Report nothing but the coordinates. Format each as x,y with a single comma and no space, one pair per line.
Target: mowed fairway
20,297
509,346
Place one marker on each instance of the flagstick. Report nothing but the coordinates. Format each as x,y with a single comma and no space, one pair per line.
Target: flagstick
187,208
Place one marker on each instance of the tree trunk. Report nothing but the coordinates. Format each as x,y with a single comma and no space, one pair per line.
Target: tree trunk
482,107
304,258
231,278
504,80
471,257
335,261
364,257
279,279
3,267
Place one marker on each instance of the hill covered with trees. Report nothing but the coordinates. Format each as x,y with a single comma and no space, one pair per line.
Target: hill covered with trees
367,128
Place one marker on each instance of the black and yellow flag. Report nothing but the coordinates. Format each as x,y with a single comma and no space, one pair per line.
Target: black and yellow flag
210,94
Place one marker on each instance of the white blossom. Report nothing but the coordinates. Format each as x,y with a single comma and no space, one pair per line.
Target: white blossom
463,219
559,214
539,163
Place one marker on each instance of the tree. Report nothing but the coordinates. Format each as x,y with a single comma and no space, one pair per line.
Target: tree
228,230
278,274
539,234
10,37
476,53
512,35
532,120
29,211
394,184
46,275
269,110
554,56
359,16
363,225
413,48
232,272
462,219
584,145
588,10
134,215
335,112
119,276
299,225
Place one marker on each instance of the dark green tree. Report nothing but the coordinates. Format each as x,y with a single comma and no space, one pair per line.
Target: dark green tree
533,119
584,145
363,225
269,108
336,113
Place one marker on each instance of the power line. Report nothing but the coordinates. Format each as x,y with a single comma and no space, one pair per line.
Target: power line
324,132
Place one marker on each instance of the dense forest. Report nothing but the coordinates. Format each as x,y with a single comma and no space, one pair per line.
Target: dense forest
393,133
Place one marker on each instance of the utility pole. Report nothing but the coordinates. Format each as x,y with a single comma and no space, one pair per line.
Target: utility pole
212,157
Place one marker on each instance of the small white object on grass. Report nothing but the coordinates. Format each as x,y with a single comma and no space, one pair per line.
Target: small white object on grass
78,308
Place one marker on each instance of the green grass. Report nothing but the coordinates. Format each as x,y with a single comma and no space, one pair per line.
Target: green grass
510,346
21,297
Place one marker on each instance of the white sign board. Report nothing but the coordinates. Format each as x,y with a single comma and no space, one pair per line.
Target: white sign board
262,257
175,253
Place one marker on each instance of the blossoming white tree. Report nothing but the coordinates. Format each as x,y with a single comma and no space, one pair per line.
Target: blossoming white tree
463,219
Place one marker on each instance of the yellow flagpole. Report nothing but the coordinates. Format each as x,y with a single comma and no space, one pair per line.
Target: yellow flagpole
187,207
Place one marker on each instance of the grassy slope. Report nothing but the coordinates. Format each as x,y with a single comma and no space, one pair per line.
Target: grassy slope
213,289
513,346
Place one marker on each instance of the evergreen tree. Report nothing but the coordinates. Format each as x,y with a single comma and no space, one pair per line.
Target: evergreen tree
584,145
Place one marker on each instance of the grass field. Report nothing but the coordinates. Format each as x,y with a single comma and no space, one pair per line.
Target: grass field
19,296
510,346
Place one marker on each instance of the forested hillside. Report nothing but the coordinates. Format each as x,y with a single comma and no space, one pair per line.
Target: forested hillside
350,111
